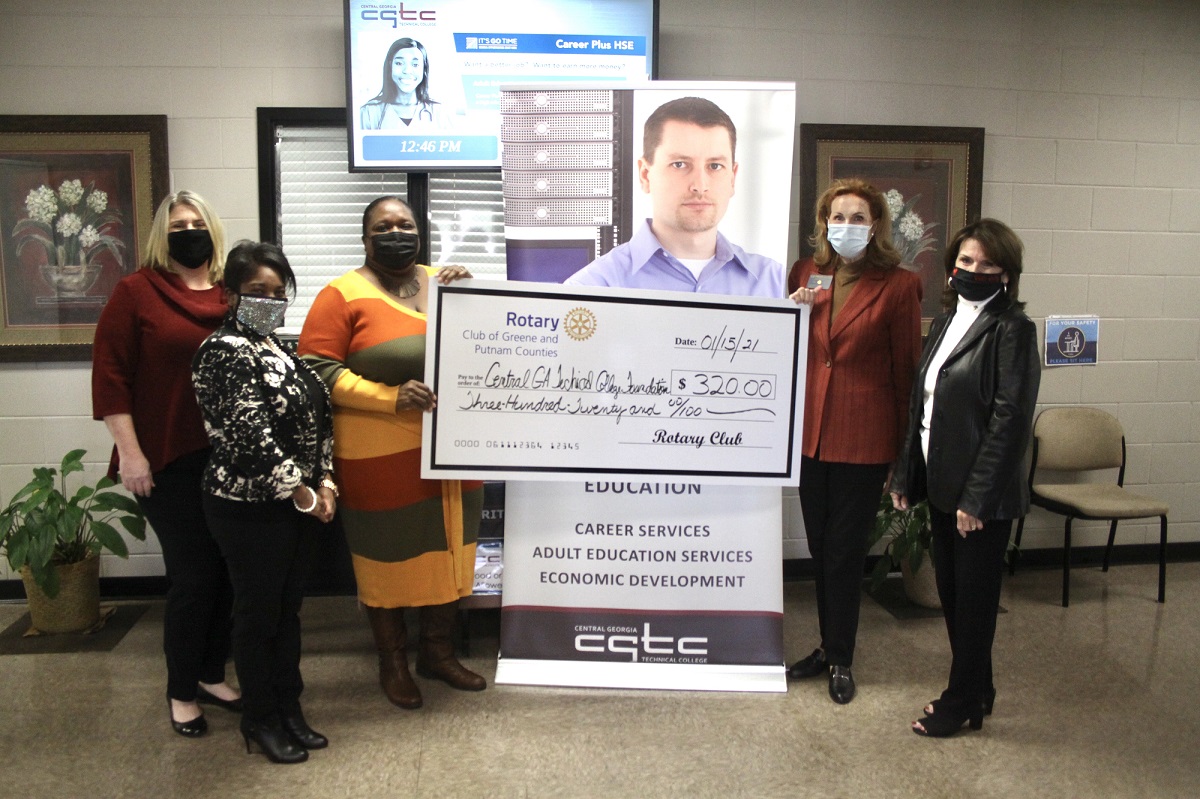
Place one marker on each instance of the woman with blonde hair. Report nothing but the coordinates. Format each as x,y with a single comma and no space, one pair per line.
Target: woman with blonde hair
864,338
146,337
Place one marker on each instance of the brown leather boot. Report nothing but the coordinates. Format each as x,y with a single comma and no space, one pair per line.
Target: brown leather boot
436,659
390,639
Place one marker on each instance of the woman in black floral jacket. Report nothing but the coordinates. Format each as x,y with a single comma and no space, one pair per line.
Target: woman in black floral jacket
267,489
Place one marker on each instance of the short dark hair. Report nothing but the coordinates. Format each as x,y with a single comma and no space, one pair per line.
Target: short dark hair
371,206
1003,248
694,110
247,256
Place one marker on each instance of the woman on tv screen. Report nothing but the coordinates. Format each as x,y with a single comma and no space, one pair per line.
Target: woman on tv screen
404,101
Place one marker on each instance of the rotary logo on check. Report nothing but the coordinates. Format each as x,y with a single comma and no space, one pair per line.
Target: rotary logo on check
580,324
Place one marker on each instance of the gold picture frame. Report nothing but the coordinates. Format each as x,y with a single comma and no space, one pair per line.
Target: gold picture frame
934,175
77,198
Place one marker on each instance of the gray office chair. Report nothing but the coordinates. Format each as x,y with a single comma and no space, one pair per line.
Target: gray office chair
1073,439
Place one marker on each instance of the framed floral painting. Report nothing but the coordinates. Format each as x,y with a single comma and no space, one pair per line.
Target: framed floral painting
932,178
77,197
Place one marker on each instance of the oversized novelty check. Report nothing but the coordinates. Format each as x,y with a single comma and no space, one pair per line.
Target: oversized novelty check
547,382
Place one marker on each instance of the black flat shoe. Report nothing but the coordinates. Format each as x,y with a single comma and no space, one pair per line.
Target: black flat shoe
810,666
302,734
204,697
274,742
943,725
841,684
188,729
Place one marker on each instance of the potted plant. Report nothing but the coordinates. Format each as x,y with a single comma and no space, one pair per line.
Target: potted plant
54,541
908,537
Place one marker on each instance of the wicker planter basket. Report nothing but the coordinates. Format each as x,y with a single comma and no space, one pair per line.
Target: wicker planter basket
77,606
921,587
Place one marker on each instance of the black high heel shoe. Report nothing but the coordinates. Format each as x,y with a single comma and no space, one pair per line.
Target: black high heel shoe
943,725
188,729
274,742
989,700
300,733
205,697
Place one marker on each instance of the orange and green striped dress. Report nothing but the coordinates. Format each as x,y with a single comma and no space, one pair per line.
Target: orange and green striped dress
412,540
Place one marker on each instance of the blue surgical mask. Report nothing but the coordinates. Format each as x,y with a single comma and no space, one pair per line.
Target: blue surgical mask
849,241
261,314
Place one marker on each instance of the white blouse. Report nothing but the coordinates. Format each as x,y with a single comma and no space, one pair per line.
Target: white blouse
964,316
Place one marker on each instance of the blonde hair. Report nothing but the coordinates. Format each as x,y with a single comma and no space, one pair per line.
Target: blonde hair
880,252
157,255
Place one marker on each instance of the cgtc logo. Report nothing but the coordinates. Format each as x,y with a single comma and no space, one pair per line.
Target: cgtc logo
394,15
649,644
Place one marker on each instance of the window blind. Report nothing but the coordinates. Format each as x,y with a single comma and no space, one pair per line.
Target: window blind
321,204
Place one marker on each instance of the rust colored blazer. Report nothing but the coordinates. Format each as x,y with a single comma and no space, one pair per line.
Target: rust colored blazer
861,370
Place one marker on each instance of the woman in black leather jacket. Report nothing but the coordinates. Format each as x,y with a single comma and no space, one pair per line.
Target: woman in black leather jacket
969,422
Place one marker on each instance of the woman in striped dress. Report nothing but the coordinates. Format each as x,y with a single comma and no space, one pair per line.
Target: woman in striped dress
412,541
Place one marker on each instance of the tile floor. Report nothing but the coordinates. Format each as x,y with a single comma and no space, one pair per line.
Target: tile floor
1098,700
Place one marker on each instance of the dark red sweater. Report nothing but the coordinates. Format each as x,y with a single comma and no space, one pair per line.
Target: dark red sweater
142,361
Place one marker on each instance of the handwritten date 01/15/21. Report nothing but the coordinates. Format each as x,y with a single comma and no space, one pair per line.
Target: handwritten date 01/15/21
720,342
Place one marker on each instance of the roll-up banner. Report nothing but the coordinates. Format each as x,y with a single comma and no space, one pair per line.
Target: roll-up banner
635,584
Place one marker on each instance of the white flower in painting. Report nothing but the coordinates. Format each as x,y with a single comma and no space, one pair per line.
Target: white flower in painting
911,227
89,236
69,224
895,203
97,200
42,204
70,192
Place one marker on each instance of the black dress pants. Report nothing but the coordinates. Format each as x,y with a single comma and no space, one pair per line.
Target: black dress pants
968,579
197,621
267,546
839,502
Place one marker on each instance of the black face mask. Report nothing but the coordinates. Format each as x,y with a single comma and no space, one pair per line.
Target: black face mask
394,253
190,248
975,286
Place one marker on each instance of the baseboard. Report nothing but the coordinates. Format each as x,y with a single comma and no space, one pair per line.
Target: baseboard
110,588
794,569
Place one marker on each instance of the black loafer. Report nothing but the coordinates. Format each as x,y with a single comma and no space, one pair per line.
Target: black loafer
841,684
205,698
810,666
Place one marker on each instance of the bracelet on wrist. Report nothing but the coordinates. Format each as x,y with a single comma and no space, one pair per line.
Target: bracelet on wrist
332,486
311,507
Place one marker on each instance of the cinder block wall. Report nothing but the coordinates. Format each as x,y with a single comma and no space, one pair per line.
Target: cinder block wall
1092,113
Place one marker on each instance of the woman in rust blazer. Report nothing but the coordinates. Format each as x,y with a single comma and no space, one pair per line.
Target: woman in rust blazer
864,342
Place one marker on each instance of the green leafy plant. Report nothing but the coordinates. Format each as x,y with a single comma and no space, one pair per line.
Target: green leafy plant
908,537
42,527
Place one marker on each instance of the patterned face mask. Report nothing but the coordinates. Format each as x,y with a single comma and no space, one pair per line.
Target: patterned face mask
261,314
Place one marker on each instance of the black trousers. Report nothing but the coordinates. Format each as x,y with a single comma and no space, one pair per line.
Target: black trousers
968,579
197,622
839,502
267,546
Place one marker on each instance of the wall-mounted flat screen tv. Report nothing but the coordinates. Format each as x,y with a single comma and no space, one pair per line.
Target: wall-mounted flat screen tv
423,77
